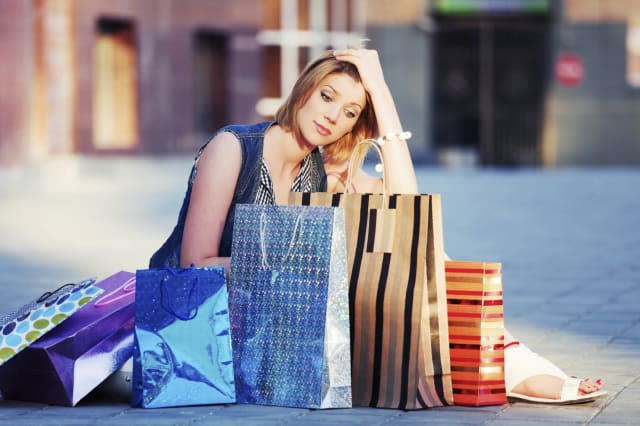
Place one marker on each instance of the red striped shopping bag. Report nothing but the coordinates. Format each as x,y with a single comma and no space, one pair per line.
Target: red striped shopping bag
476,332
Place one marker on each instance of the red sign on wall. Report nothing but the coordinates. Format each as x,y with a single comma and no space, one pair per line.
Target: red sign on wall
569,69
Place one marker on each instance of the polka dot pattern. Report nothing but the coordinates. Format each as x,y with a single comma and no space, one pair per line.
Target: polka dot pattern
24,326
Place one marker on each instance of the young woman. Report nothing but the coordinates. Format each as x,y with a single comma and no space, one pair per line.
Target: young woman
339,99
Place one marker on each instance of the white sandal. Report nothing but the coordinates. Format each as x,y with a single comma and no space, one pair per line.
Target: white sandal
521,363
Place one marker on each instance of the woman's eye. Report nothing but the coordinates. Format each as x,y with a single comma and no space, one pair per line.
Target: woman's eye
350,114
325,96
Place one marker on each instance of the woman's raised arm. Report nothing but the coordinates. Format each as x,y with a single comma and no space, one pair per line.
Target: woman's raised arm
399,172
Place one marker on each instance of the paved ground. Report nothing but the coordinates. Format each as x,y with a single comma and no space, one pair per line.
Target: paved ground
569,241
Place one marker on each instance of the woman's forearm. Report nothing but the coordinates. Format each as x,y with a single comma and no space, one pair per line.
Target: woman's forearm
399,171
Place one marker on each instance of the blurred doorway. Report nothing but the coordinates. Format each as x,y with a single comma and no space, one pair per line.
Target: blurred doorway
490,77
115,95
211,81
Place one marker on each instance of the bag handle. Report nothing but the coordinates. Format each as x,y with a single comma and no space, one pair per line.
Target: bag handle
128,289
295,236
355,162
48,294
165,301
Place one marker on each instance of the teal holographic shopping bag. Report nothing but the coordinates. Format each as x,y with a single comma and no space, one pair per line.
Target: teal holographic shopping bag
289,307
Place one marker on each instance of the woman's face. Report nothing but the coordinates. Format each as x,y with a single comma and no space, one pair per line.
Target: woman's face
332,109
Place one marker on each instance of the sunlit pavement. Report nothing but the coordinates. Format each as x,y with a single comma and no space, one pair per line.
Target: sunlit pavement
568,239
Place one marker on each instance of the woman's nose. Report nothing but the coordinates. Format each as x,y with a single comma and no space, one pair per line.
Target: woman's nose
332,114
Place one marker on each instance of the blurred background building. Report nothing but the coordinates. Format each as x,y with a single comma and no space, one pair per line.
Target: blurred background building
487,82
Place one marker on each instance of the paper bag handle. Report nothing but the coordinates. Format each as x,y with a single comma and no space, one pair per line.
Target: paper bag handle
355,161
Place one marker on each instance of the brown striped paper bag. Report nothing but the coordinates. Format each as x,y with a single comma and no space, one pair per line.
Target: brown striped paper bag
476,332
397,298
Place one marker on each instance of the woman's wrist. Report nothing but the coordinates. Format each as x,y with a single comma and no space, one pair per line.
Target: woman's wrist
402,136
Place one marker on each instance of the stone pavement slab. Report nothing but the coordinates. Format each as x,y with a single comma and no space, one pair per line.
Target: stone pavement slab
568,240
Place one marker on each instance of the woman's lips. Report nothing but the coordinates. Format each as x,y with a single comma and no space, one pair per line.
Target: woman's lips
321,129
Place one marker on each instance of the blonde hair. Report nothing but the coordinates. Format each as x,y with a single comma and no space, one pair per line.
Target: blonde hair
286,116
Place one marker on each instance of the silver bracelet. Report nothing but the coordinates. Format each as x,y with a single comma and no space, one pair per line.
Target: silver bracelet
402,136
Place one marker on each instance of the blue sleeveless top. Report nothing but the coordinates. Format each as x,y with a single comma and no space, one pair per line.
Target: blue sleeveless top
251,139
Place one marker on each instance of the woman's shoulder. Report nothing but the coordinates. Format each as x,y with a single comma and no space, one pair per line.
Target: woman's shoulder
236,142
253,129
223,149
236,134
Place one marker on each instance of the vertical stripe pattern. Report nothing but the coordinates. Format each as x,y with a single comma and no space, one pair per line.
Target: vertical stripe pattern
397,298
476,332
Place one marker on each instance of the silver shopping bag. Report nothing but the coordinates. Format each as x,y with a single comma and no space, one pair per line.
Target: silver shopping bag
289,307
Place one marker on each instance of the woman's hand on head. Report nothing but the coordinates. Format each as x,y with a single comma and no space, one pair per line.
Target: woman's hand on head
368,64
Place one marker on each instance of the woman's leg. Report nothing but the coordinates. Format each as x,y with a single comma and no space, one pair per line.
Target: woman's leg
520,365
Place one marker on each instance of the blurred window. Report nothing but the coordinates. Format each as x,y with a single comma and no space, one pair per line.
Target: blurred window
633,53
115,93
211,80
297,31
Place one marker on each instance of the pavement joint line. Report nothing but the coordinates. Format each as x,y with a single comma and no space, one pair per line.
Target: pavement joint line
119,413
621,332
506,407
300,416
392,419
610,401
206,416
570,291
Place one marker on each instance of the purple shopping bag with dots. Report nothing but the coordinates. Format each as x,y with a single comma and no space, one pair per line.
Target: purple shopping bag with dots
72,359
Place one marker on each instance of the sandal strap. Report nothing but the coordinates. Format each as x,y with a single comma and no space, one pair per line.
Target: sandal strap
570,388
515,343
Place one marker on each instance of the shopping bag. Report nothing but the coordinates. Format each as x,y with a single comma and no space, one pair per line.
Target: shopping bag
476,332
289,307
68,362
25,325
182,351
397,299
117,387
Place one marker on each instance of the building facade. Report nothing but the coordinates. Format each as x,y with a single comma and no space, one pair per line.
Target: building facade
534,82
498,83
123,77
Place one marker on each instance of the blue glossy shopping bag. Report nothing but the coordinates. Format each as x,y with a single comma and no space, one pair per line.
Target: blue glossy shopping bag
289,307
182,352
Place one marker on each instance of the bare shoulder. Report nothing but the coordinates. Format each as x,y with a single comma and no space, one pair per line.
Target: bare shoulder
221,156
221,144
